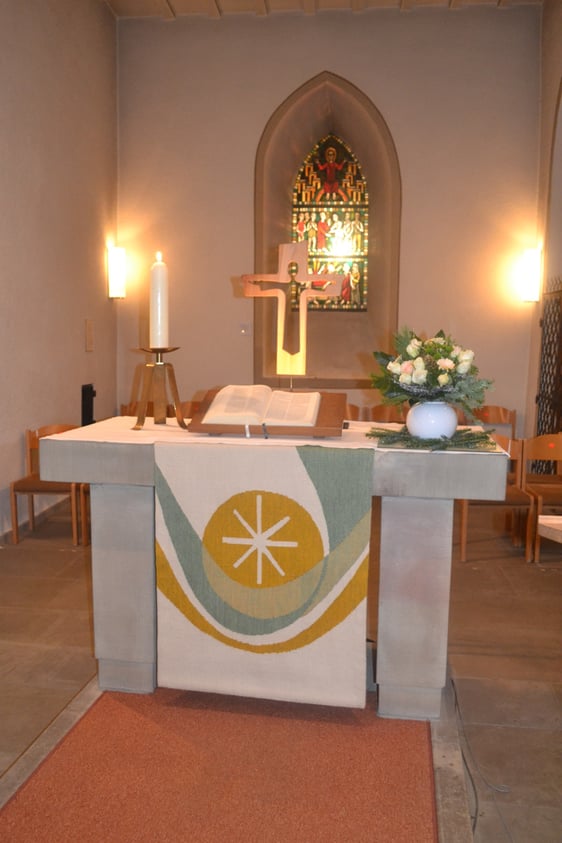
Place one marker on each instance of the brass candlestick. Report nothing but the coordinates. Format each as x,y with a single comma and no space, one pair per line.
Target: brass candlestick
154,382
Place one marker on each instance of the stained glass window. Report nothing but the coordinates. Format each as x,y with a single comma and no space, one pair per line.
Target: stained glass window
331,212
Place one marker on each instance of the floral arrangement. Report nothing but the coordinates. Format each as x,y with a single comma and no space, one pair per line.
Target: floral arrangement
435,369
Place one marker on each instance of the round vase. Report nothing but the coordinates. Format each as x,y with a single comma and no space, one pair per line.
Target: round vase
432,420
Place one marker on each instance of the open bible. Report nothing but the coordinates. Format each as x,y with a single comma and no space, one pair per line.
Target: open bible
258,410
258,404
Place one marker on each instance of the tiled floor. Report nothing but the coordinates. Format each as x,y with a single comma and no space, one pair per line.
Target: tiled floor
46,649
505,660
505,656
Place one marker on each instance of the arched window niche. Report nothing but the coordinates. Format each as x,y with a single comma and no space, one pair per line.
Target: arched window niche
340,344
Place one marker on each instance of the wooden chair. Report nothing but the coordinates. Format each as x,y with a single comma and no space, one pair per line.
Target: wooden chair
387,413
352,412
32,484
520,502
545,488
492,415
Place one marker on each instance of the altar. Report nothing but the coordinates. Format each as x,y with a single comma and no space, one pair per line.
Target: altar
417,490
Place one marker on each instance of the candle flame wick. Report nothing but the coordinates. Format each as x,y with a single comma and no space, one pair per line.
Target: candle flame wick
159,257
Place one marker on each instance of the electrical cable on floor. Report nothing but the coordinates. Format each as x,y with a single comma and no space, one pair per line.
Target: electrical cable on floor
501,788
474,819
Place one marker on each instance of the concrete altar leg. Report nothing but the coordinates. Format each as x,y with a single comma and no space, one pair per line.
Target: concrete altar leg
415,576
124,588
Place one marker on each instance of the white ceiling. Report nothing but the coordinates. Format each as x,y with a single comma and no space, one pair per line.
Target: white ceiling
170,9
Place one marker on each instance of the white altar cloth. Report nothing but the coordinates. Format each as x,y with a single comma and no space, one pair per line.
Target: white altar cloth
262,563
119,431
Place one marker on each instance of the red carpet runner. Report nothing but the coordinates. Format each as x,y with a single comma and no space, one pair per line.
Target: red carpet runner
180,766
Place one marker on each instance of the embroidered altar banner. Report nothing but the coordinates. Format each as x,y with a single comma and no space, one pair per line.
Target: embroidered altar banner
261,563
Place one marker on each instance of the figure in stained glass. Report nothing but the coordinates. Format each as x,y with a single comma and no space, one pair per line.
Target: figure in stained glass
330,168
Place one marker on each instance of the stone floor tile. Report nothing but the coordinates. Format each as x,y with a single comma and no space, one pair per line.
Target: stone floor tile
25,711
474,662
46,667
505,702
524,764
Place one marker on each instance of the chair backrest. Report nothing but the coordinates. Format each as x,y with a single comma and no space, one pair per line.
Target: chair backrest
514,447
188,408
386,413
492,414
32,438
546,449
352,412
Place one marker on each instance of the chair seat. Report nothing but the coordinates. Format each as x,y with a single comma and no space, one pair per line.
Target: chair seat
551,493
550,527
542,479
33,483
514,496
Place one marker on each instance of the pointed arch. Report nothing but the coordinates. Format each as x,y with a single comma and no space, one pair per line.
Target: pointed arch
340,344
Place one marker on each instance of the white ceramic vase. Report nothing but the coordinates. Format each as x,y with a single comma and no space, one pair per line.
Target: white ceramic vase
432,420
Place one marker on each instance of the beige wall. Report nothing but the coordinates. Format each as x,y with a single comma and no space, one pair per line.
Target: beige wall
460,94
459,91
57,188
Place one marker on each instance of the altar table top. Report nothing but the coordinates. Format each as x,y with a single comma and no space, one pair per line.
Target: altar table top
111,451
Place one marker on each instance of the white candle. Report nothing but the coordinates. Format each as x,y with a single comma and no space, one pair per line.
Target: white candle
159,303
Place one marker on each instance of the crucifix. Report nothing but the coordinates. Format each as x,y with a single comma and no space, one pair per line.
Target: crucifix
292,270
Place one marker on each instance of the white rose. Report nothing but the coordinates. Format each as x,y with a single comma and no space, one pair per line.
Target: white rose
405,377
466,356
413,347
419,363
419,376
394,367
443,379
464,368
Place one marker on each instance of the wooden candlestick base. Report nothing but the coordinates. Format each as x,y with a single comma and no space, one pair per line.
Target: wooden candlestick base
154,384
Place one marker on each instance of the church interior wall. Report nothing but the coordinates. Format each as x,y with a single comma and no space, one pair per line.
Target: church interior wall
164,118
58,130
460,96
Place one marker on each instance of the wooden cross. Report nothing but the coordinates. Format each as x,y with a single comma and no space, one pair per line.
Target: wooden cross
292,267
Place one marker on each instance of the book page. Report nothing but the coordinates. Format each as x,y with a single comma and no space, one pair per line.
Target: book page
298,409
239,405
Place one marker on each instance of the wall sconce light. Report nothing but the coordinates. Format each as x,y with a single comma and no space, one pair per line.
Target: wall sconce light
529,272
116,272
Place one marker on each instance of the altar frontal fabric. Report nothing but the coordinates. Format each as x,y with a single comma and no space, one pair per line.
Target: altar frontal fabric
261,564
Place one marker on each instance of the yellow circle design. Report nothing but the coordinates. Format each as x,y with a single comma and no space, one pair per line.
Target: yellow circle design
263,539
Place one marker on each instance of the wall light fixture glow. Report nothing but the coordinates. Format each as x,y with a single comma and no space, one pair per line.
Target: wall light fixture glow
528,274
116,272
